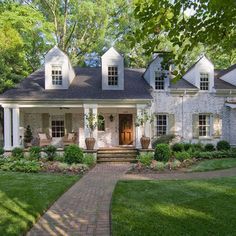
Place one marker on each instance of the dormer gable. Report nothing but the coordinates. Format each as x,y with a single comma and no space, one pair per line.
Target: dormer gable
156,75
229,75
112,70
59,72
201,74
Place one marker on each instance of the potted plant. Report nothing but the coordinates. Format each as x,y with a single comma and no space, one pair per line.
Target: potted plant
28,136
141,121
92,123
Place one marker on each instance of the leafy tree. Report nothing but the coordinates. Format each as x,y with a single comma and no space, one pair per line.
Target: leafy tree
187,24
79,26
25,37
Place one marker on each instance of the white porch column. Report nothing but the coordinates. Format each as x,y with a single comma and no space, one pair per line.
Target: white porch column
88,108
7,128
138,130
16,126
86,129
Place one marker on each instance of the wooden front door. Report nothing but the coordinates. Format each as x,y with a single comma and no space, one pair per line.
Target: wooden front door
125,129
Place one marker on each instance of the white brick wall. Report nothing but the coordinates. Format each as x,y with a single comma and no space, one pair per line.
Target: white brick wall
183,107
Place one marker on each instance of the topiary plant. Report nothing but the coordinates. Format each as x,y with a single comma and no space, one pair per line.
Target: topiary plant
28,136
73,154
162,152
223,145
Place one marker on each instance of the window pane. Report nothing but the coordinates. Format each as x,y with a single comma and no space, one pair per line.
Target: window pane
204,125
161,124
112,75
56,75
58,129
159,80
204,81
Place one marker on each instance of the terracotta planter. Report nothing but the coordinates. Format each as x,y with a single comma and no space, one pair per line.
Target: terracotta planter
90,142
145,141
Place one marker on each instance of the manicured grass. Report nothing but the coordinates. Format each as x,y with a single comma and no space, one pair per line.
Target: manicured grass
215,164
24,197
177,207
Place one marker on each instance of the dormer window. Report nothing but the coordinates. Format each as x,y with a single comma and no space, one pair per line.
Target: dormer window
112,75
56,75
159,81
204,81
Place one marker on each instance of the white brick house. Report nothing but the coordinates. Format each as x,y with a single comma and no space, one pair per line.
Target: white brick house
198,108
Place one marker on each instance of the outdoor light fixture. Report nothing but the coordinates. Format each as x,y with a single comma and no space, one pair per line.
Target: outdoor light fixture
111,118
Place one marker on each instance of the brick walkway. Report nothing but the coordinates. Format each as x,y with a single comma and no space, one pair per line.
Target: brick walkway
84,208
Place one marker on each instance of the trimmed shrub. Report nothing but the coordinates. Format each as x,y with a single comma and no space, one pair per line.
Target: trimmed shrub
209,147
73,154
35,152
145,159
167,139
223,145
17,153
181,156
178,147
162,152
89,160
50,152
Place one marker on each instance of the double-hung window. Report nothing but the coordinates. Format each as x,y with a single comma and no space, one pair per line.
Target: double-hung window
58,126
159,80
204,81
204,125
56,75
161,125
112,75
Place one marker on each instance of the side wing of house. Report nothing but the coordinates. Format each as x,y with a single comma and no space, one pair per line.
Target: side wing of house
194,108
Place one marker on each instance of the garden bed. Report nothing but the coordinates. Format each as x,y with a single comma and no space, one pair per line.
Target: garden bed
181,157
74,161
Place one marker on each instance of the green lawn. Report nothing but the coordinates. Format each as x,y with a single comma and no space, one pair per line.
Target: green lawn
215,164
24,197
177,207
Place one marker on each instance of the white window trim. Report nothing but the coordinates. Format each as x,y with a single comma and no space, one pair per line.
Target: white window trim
110,85
50,124
159,90
57,85
155,123
200,90
210,125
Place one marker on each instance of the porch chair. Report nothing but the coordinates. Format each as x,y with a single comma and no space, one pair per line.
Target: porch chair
44,140
70,138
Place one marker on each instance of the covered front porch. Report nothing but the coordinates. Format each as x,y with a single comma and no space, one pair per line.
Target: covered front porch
117,129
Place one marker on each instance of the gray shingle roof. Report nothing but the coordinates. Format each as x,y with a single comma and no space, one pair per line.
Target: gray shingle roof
182,84
86,85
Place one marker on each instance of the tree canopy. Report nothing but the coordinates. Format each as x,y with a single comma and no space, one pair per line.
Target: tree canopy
137,28
188,24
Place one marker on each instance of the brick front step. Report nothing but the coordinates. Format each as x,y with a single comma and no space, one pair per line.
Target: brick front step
116,154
